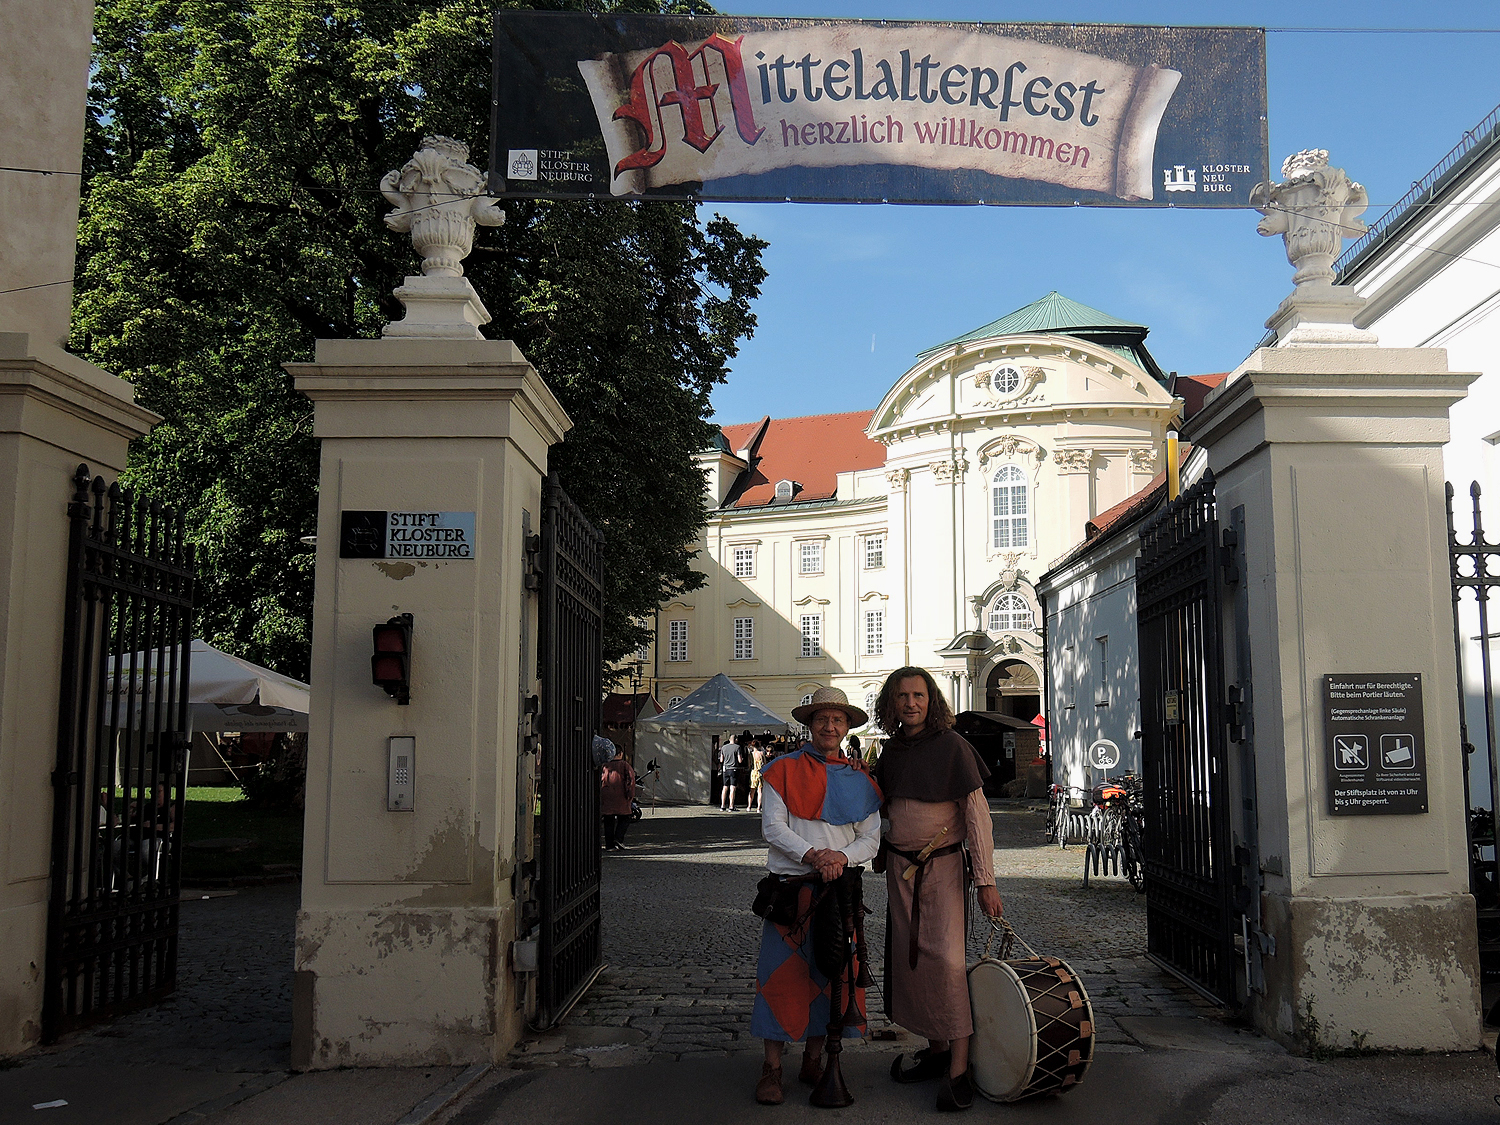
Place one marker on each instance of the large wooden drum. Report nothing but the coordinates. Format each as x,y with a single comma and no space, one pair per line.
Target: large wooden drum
1033,1028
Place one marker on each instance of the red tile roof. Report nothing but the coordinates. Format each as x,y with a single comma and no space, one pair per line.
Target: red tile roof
1193,389
811,450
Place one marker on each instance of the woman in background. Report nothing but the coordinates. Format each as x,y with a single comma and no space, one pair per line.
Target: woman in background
616,791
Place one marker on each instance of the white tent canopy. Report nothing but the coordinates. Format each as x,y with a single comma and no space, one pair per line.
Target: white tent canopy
680,738
226,693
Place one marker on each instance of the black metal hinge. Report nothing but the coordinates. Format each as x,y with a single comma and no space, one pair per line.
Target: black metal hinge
533,562
1235,708
1227,564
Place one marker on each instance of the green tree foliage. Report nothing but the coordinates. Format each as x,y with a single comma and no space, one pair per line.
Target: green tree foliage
231,217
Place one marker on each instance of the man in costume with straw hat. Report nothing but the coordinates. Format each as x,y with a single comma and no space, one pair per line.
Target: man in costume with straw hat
820,814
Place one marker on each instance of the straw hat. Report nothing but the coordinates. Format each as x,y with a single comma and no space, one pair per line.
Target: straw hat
830,697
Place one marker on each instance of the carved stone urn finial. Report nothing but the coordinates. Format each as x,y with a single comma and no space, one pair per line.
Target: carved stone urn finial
439,198
1314,209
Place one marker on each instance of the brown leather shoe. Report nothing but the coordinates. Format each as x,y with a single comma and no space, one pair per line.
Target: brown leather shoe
768,1089
955,1094
812,1068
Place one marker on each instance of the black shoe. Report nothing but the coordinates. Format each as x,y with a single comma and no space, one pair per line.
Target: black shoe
955,1094
927,1064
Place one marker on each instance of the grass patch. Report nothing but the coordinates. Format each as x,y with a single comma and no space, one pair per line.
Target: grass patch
221,812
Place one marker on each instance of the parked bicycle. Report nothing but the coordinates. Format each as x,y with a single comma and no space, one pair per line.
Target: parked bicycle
1068,815
1117,831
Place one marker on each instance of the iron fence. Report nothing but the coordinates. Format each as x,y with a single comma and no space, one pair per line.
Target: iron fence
1475,566
1190,923
572,664
121,770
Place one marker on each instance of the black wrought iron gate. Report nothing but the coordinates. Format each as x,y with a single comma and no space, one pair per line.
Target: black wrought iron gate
1191,922
1475,566
121,758
571,651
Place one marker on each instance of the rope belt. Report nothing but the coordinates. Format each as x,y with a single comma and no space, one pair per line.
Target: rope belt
916,890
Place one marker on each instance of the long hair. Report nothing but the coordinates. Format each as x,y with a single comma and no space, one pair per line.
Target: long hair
939,714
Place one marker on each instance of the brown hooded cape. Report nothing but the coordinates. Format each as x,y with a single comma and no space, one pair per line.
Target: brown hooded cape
933,766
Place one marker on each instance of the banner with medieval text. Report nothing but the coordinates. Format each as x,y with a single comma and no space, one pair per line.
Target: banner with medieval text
738,108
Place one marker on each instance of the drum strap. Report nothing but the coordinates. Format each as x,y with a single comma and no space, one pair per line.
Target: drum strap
916,890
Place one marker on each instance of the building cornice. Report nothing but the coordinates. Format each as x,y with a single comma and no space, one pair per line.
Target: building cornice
1066,349
816,510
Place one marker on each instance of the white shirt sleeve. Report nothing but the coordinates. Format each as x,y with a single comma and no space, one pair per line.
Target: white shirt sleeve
866,841
776,828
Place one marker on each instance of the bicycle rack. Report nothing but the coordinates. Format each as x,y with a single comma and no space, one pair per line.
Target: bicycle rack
1080,826
1102,859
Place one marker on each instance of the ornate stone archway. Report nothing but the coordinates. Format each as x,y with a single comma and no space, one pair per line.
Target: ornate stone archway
1013,687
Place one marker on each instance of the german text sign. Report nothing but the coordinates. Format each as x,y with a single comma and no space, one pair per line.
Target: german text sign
738,108
1377,761
406,535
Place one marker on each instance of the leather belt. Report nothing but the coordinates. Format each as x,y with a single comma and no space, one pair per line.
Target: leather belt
916,890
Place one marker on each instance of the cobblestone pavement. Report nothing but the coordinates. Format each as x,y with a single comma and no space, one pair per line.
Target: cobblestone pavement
680,944
232,1010
680,941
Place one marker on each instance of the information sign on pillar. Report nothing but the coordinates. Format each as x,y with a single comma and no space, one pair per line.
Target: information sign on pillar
1377,762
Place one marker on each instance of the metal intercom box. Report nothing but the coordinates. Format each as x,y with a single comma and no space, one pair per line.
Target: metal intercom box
401,776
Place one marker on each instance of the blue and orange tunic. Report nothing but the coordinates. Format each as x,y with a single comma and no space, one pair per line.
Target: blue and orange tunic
808,802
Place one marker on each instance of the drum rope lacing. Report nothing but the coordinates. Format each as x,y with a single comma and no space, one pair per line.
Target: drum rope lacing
1009,940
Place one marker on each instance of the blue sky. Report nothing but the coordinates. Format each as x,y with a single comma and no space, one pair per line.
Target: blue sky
855,292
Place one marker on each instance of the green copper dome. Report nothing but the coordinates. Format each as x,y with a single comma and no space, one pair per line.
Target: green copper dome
1056,315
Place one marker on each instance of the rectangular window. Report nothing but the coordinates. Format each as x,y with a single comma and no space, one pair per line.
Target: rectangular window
744,562
874,552
874,632
643,653
677,640
744,638
812,557
1103,655
812,634
1010,511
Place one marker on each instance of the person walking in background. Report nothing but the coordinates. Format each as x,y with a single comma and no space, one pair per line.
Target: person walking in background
933,784
820,814
731,758
616,792
758,755
602,749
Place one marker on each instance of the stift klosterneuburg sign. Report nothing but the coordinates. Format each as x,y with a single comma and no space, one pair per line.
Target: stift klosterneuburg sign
736,108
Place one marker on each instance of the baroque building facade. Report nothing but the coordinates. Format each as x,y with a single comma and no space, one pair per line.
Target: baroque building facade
840,547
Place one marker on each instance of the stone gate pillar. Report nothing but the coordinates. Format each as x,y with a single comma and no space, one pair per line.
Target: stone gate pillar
56,411
434,445
1333,447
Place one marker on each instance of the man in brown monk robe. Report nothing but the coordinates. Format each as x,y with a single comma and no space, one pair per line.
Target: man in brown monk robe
933,782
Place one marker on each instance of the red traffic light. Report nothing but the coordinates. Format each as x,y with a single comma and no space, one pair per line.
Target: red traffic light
390,666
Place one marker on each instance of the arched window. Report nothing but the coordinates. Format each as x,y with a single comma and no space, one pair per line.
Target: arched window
1010,611
806,699
1010,508
674,701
